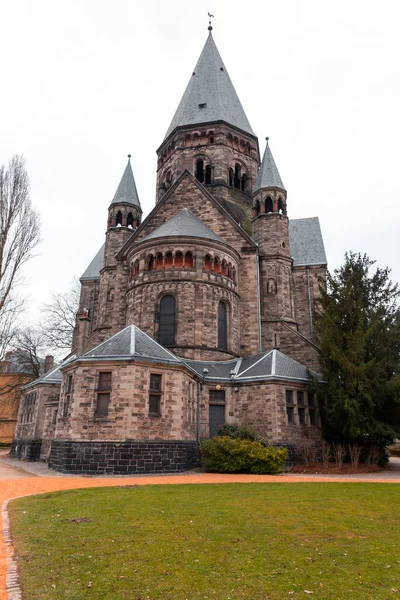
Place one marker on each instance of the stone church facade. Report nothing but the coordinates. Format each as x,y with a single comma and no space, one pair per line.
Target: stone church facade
197,315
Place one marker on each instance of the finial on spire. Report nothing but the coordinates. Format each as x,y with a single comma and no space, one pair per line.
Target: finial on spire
267,138
129,156
210,16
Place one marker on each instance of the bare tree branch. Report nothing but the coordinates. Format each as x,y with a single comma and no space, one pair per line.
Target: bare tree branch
19,235
58,317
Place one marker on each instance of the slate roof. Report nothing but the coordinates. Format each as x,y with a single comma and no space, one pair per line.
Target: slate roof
268,174
93,270
185,223
131,342
210,95
51,377
126,191
306,243
266,365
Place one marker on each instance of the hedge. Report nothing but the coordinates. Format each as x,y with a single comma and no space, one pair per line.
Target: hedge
226,455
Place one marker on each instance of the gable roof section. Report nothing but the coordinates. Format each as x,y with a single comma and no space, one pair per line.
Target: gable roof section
306,243
54,376
165,198
126,191
131,342
266,365
210,95
94,268
185,223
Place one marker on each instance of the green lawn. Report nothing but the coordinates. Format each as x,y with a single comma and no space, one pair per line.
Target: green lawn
254,541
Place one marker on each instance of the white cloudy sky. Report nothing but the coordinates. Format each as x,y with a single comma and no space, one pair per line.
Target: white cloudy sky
85,82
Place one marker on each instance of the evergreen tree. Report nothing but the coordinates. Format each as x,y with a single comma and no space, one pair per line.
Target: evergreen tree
359,337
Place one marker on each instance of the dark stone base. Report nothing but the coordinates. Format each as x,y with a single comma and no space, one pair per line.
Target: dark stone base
122,458
294,456
26,449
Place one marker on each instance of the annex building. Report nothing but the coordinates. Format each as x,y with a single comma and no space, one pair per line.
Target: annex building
199,314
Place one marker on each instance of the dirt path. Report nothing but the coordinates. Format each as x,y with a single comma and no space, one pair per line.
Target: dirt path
15,482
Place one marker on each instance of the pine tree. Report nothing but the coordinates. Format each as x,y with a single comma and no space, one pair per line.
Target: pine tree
359,337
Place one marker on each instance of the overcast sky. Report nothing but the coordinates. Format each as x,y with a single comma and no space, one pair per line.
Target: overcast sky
86,82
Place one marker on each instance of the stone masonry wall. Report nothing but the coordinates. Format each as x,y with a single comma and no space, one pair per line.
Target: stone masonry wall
34,429
128,416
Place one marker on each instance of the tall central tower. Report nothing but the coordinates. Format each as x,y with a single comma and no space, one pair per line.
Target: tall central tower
211,137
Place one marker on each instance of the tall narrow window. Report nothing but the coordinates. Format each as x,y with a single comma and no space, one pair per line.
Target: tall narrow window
167,316
208,175
189,261
243,182
179,260
290,407
103,394
155,391
200,171
236,182
118,220
222,327
129,221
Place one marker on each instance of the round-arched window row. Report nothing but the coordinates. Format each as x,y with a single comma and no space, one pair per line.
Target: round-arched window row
238,143
122,220
166,260
220,267
238,178
268,205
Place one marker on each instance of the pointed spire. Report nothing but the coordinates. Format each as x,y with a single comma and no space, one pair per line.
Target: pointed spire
268,174
126,191
210,95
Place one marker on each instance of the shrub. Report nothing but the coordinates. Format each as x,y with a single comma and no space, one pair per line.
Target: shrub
227,455
238,432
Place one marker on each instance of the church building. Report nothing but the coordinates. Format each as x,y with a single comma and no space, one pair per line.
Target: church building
198,315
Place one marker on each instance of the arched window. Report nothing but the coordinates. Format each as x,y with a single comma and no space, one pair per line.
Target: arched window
257,207
217,265
179,260
269,207
280,206
231,177
234,274
211,137
189,262
208,175
224,268
243,182
168,260
129,220
207,262
118,220
236,181
150,263
200,171
222,327
159,261
166,323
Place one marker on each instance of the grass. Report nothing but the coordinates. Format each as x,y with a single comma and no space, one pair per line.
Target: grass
195,542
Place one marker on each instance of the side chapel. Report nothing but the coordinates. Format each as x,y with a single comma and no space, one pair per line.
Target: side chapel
198,315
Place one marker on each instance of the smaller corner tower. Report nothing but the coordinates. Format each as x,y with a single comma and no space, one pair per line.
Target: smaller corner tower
124,215
270,229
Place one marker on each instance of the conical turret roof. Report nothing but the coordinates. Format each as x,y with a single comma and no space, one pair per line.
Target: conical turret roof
210,95
268,174
126,191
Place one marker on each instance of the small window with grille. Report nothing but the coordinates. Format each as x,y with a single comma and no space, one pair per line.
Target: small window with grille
103,394
290,407
155,393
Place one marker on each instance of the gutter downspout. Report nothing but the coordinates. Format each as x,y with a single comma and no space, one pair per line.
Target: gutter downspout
309,303
259,303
